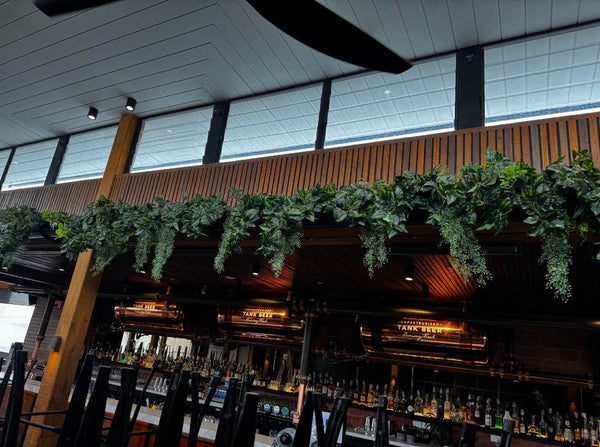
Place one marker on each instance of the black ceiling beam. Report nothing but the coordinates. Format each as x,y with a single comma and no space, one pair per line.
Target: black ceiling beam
469,105
216,133
323,114
7,166
57,159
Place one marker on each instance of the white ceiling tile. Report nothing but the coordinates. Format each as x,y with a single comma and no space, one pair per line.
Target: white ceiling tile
512,18
538,15
487,19
537,63
579,94
564,13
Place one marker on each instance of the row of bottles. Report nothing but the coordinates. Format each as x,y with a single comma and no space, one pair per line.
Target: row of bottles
571,426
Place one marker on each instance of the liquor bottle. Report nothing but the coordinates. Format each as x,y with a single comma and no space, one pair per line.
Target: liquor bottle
460,410
499,415
396,407
479,413
489,413
391,399
470,409
559,427
514,413
434,405
593,426
522,423
550,422
577,427
355,395
568,432
543,425
419,404
410,405
403,403
447,405
533,429
586,435
371,396
363,394
506,418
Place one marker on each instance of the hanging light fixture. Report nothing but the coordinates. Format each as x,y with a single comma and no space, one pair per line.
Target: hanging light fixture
92,113
130,104
256,269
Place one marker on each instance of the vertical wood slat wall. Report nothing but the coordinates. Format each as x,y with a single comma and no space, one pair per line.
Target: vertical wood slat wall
536,142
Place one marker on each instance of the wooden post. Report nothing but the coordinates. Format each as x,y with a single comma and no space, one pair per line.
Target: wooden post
77,310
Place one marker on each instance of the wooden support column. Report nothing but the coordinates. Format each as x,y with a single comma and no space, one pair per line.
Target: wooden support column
77,311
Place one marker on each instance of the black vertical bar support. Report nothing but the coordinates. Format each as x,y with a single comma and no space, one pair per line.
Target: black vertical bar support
7,166
72,422
118,433
142,396
9,368
470,99
304,428
216,133
382,437
337,418
170,426
59,153
10,431
196,422
245,430
227,420
318,409
306,342
323,114
90,432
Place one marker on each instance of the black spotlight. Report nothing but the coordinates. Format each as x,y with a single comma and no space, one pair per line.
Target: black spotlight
130,104
92,113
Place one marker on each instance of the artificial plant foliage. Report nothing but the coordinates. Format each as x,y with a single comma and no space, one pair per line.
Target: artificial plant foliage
561,201
16,224
380,210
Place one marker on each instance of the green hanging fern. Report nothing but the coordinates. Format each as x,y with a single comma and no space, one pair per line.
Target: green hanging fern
465,251
556,253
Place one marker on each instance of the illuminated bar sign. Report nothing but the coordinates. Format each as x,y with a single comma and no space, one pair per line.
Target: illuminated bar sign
262,323
421,337
149,314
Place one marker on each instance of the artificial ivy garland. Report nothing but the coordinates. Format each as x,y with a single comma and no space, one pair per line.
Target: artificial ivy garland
563,199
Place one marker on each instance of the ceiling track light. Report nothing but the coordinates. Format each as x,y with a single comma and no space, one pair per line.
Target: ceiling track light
409,272
130,104
92,113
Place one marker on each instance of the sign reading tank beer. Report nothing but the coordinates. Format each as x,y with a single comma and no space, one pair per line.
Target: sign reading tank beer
262,323
427,338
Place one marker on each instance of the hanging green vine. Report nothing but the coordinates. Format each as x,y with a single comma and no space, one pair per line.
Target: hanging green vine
380,210
240,220
562,200
16,224
447,204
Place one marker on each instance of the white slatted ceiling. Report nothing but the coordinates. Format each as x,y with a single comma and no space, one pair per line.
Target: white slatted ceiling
174,54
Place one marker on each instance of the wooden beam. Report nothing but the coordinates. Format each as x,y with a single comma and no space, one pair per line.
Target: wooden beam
77,311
